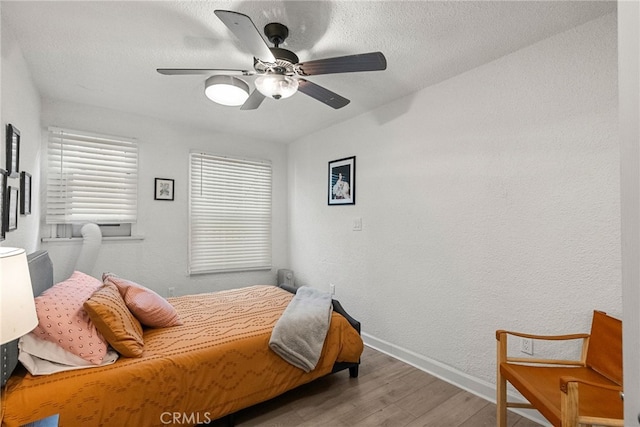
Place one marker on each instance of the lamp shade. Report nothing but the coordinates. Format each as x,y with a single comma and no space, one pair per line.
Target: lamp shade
277,86
226,90
17,307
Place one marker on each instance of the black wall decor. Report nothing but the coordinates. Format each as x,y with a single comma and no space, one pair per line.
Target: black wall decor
13,151
25,193
3,202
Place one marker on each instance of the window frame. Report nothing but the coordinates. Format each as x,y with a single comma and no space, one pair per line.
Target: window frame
251,219
93,160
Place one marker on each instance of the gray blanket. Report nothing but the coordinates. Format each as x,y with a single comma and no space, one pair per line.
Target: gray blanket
298,336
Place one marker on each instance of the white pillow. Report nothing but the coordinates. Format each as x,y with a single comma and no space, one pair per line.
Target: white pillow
42,357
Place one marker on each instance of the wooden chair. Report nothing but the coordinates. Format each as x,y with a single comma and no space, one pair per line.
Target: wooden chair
567,392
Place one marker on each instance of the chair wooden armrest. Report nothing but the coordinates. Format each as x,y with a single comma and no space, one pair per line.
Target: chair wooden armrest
501,332
565,380
501,337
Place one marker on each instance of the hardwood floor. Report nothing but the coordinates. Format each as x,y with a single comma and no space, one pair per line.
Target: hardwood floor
387,392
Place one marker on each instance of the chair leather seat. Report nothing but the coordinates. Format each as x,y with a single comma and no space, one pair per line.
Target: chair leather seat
540,385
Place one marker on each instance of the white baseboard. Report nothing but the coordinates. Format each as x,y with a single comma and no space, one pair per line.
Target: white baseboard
446,373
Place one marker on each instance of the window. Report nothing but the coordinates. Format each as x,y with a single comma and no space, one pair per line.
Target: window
91,178
229,214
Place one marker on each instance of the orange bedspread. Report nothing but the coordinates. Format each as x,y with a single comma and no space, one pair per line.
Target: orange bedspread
217,363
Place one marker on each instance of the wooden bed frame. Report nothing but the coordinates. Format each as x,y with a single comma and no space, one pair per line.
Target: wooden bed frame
41,270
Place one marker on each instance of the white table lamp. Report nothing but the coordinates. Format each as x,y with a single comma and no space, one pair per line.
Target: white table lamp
17,307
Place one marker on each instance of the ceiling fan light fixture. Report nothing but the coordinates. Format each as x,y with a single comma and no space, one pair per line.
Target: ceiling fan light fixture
277,86
226,90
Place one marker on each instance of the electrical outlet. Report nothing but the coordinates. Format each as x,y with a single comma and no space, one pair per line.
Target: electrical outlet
526,346
172,291
332,288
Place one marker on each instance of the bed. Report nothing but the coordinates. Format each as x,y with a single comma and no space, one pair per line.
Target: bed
213,365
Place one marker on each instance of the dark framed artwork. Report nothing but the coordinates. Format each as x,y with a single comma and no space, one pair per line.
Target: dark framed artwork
163,189
12,208
3,199
342,181
25,193
13,151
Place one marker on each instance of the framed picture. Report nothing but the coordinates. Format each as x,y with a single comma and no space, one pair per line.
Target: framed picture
25,193
12,208
3,198
342,181
13,151
164,189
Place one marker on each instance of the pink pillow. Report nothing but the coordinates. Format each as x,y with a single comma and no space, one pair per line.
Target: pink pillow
63,320
149,308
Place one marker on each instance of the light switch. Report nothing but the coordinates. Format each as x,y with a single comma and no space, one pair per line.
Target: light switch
357,224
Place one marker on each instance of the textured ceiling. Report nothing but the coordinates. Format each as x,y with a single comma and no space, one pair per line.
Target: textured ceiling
105,53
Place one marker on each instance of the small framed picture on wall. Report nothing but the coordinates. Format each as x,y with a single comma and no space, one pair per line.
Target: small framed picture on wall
25,193
3,200
12,208
13,151
164,189
342,181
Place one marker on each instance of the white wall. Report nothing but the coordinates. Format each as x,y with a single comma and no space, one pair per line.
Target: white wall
488,201
21,108
160,260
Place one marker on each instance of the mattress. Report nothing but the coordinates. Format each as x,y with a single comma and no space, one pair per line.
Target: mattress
215,364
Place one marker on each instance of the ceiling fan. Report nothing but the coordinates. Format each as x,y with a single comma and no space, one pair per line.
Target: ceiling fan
279,74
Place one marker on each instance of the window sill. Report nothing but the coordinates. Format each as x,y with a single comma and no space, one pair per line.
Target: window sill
80,239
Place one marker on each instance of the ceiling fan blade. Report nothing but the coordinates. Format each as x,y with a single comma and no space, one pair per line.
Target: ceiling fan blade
202,71
373,61
245,30
321,94
253,101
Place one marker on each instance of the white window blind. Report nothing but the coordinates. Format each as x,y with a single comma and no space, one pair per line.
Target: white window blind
91,178
229,214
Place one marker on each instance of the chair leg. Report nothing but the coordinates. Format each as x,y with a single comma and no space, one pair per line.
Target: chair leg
501,388
501,401
569,406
